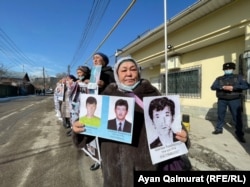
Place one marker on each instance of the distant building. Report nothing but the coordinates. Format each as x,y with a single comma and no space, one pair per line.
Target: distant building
49,83
15,83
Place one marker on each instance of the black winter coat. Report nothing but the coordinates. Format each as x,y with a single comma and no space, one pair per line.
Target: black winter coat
120,160
107,76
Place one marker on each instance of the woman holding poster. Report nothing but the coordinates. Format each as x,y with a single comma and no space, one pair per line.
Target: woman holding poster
101,76
120,160
106,75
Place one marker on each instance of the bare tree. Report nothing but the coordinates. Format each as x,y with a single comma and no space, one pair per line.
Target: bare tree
3,70
61,75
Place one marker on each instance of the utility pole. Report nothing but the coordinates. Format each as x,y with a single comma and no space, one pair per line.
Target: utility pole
43,81
166,44
68,69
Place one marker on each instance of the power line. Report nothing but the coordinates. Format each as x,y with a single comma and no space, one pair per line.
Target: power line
96,14
110,32
12,52
14,47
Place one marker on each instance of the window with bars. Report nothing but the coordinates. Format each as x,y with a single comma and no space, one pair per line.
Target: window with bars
184,82
244,69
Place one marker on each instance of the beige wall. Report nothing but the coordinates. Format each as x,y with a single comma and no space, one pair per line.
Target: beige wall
211,60
234,16
208,42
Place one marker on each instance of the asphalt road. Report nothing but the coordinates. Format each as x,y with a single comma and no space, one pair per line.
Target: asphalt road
35,150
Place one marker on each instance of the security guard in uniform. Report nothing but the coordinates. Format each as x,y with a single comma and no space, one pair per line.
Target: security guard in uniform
229,89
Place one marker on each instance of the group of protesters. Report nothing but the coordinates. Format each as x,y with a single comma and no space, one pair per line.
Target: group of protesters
119,160
67,91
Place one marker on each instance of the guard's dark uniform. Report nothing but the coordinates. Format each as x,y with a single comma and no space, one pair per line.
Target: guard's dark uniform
231,99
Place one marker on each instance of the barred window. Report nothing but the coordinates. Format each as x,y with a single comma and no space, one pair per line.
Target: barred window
244,69
184,82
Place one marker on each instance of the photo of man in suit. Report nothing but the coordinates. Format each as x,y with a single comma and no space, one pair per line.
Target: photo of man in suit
120,123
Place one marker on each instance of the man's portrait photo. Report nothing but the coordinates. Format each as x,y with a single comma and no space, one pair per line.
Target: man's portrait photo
90,118
119,123
163,115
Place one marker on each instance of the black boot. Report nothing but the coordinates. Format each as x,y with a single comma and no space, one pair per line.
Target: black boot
66,123
95,166
69,133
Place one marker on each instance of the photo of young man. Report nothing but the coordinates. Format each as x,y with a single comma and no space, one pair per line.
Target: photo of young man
90,119
120,123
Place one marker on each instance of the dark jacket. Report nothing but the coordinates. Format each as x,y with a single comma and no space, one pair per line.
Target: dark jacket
107,75
157,142
237,81
129,157
119,160
112,125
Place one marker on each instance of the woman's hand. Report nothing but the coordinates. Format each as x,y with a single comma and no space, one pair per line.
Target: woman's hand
86,81
100,83
181,136
77,127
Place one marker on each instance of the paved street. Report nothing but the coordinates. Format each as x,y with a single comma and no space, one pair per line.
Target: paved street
217,152
35,150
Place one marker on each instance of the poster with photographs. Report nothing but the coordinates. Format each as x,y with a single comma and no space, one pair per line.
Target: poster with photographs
107,117
83,87
94,78
60,91
92,149
163,119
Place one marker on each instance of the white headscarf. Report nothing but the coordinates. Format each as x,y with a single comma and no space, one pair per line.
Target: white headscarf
116,67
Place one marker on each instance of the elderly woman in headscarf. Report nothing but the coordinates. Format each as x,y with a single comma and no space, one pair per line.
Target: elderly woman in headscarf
74,89
66,108
83,73
120,160
107,75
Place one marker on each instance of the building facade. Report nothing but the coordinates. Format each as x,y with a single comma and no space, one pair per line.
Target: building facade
198,41
15,84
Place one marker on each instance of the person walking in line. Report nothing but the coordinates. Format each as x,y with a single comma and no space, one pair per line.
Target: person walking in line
106,77
119,122
72,90
66,103
83,74
80,87
120,160
58,98
229,88
65,111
